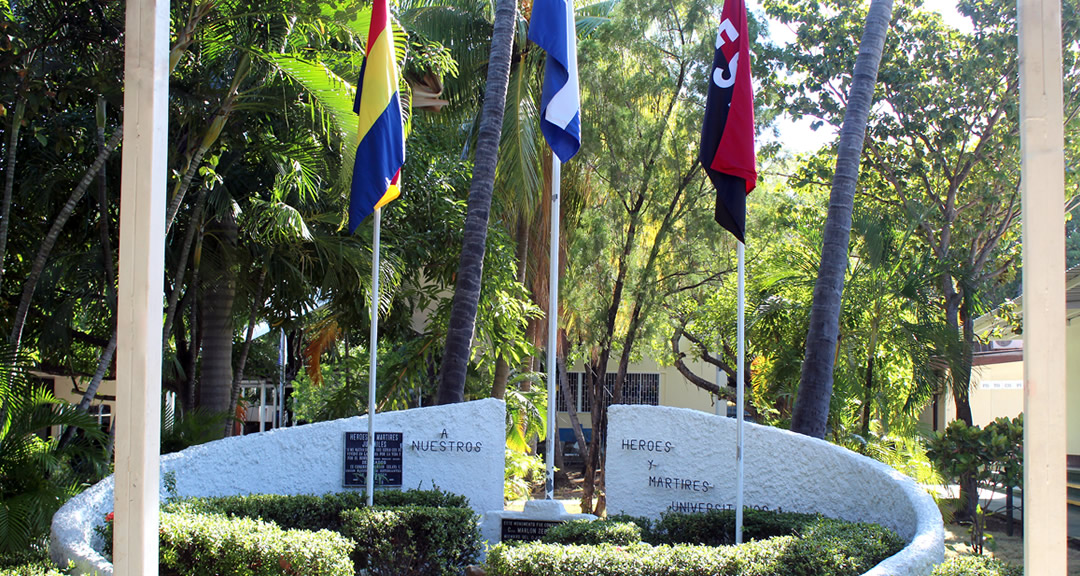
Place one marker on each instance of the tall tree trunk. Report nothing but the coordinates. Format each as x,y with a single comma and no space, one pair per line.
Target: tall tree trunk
811,412
471,268
571,410
196,341
181,269
246,348
211,135
9,177
103,213
215,379
868,383
49,241
106,357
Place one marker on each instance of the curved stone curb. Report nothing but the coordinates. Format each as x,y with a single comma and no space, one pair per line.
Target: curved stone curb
659,456
459,448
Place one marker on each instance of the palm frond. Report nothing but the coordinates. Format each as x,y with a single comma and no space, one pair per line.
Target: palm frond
330,93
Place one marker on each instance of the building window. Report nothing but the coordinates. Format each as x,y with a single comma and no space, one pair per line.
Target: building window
638,388
103,414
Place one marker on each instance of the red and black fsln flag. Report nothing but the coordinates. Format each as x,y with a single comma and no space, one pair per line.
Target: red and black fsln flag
727,136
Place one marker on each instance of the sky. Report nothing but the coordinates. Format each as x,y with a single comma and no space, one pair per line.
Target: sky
798,137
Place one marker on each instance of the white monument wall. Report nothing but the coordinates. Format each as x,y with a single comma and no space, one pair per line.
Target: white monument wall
661,458
458,448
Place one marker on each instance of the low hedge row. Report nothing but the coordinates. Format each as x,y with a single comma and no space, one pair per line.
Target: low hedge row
199,544
969,565
412,540
717,527
310,512
412,533
586,532
816,546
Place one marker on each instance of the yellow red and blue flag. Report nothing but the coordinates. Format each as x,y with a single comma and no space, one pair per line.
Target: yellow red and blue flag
381,135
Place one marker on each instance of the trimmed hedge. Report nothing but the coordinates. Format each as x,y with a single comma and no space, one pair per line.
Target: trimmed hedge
971,565
821,547
717,527
309,512
412,540
197,544
587,532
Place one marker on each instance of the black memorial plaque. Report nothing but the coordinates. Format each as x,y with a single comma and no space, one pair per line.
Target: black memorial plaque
387,460
525,530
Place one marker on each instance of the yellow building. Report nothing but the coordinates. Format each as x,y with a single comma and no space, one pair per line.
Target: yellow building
647,383
997,390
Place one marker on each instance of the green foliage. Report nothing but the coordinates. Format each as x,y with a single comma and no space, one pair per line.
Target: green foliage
971,565
823,548
969,454
36,475
207,544
717,527
33,561
413,540
991,453
526,412
586,532
185,428
33,569
309,512
521,474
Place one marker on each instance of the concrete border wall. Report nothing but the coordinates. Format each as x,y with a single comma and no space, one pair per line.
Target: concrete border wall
458,448
661,458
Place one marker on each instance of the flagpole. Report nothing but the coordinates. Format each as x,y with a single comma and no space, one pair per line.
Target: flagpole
740,350
373,349
553,320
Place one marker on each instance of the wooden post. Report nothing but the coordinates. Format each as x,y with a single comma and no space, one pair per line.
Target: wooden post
1043,181
142,253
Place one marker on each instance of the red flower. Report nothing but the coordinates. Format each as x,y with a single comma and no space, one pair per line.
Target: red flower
109,517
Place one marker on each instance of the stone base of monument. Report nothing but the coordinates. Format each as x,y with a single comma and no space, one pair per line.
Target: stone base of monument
528,525
456,448
662,459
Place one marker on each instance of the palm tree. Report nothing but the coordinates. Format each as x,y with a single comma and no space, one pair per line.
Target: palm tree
471,267
811,411
37,474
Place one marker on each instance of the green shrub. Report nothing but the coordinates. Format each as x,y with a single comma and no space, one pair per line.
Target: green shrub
33,561
194,544
971,565
822,547
717,527
309,512
412,540
31,569
594,532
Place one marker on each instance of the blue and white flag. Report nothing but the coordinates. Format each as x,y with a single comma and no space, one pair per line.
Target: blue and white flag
552,28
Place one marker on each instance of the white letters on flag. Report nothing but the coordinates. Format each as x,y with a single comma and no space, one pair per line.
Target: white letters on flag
552,28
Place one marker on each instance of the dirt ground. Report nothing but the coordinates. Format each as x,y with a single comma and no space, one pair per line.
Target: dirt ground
1007,548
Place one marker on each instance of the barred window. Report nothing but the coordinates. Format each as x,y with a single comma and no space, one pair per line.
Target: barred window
573,380
639,388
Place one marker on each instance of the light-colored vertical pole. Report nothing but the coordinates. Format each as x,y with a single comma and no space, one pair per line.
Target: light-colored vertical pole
1043,187
740,350
142,266
720,406
373,345
553,322
262,406
280,415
